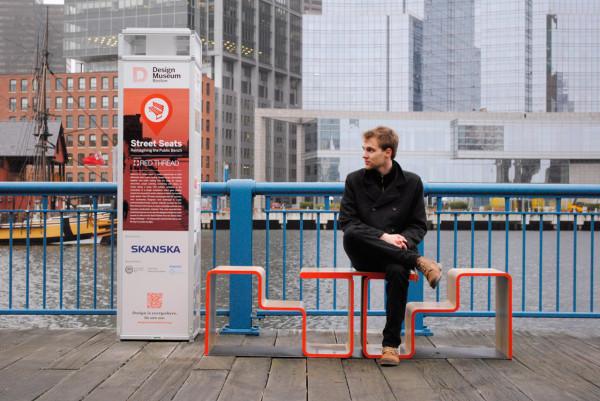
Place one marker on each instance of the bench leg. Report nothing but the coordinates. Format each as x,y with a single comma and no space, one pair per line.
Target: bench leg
210,312
318,350
504,316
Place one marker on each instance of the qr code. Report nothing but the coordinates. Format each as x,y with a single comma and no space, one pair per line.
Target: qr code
154,300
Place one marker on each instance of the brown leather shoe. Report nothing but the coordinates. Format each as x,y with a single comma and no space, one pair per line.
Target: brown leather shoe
431,269
389,357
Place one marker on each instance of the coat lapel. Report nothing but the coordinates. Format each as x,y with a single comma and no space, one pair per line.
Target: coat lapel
393,191
371,188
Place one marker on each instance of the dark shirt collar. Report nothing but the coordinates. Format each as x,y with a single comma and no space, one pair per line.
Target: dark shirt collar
384,180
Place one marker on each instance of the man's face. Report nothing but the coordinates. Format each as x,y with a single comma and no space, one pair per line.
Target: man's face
373,156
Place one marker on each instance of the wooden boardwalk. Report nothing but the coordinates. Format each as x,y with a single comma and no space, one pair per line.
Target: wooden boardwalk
93,365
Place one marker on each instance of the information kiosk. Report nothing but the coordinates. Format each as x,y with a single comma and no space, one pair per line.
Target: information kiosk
158,252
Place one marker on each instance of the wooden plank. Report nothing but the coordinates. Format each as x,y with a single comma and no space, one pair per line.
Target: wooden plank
166,381
246,380
202,385
326,380
11,337
87,351
540,357
265,339
130,377
80,382
11,354
287,380
365,381
289,340
446,381
586,354
209,362
31,384
27,378
407,382
531,384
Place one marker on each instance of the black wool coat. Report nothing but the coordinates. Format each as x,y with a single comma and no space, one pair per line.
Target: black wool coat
372,210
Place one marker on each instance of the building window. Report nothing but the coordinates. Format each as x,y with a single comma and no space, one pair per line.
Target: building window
12,85
12,104
24,84
69,140
81,140
105,102
104,121
81,102
115,139
24,103
80,121
69,177
208,88
80,157
208,107
115,82
104,140
93,83
92,139
69,102
69,122
58,84
481,137
92,177
69,83
92,102
115,102
104,83
93,122
115,121
12,118
58,103
104,177
80,177
81,83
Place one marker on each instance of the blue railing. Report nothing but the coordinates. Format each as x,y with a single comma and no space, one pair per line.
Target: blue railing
552,277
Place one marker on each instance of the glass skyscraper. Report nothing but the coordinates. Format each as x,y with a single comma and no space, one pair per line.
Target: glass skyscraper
251,48
362,55
22,29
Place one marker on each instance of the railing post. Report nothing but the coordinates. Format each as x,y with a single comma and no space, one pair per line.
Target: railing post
415,294
240,254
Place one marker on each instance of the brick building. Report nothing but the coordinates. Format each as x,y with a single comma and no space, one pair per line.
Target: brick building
87,105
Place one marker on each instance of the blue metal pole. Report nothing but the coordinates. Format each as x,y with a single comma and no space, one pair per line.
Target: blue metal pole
558,210
45,248
438,208
301,251
284,256
240,240
267,242
416,294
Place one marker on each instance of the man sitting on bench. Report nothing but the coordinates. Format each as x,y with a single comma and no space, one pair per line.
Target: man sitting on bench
383,217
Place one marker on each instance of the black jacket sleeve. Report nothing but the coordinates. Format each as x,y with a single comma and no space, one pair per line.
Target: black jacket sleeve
349,216
417,225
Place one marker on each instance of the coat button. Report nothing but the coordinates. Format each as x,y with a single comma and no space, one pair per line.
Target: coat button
394,209
392,231
373,209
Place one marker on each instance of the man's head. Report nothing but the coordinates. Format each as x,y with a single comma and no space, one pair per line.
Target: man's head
379,148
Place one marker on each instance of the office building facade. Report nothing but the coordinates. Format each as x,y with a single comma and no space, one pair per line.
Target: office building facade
22,30
87,106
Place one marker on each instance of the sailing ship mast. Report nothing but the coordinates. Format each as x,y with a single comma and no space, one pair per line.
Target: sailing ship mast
41,169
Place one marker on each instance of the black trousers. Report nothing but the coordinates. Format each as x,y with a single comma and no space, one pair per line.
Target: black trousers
368,253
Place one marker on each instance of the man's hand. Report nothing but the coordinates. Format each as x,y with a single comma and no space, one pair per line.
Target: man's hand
396,240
